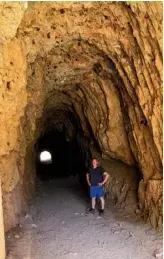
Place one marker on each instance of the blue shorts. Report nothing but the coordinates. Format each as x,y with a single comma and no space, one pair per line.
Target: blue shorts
96,191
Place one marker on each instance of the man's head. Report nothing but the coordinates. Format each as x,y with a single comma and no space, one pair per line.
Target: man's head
95,163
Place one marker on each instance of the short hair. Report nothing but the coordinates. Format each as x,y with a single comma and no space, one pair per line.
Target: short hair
98,162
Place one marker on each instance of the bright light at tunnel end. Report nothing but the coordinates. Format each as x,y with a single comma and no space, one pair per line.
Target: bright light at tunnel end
45,157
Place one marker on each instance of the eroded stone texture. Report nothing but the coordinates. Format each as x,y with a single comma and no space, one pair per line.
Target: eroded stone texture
13,100
102,61
11,14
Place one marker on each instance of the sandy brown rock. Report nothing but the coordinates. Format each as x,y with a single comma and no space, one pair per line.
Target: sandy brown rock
11,14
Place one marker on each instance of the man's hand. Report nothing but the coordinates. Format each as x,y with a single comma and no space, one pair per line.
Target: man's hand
100,184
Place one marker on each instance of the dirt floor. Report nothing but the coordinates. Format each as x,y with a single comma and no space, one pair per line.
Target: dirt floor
56,227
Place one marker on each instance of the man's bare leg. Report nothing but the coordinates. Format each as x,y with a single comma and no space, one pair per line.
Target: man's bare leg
93,203
102,203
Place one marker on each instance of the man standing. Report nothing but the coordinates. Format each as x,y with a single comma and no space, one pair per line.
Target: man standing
96,178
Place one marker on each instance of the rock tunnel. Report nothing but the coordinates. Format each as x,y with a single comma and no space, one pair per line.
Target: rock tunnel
87,78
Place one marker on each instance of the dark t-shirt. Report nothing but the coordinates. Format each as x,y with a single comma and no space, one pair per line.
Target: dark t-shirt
96,175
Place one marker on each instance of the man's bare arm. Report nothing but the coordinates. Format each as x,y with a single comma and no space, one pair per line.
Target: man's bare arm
88,180
106,177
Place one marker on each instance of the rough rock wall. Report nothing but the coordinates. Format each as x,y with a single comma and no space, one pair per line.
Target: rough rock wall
13,101
104,61
11,15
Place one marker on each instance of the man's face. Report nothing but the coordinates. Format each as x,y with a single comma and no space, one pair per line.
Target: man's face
94,163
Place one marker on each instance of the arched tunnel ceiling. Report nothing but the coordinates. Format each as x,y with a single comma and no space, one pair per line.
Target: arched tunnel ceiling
94,47
92,53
